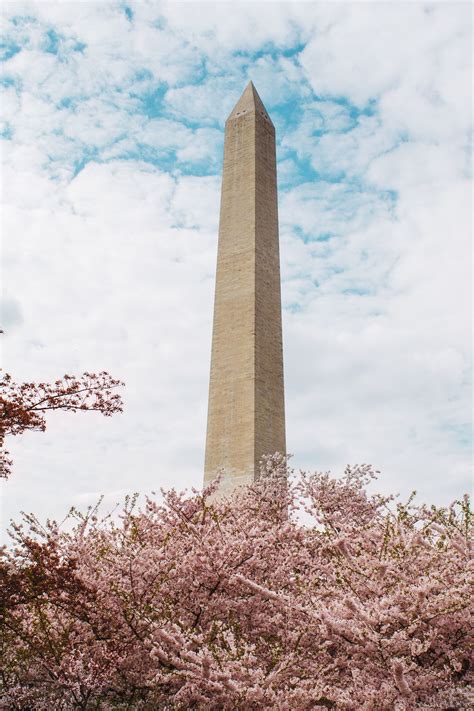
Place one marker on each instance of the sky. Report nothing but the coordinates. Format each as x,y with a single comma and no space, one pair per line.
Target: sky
112,136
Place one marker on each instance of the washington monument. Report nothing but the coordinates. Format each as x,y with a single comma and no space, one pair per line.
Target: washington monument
246,416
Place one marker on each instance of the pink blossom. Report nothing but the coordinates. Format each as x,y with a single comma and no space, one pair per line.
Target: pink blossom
400,679
195,602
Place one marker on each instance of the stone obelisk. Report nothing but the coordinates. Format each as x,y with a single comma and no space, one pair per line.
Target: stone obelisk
246,416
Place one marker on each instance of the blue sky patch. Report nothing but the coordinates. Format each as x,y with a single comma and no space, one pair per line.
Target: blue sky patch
51,42
22,20
8,50
7,81
151,102
7,132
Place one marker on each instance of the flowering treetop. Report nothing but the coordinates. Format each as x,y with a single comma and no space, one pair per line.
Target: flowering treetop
193,602
23,406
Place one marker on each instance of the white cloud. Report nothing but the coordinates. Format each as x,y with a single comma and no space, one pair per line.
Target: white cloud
224,28
115,286
371,48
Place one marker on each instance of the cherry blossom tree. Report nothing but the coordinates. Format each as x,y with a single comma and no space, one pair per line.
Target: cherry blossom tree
298,592
23,405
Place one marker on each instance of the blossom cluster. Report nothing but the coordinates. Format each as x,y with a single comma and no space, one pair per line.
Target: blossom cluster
298,592
23,406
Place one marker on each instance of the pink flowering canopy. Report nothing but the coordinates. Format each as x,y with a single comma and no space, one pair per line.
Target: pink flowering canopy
295,593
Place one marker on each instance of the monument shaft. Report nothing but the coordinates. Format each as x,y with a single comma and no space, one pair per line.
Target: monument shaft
246,417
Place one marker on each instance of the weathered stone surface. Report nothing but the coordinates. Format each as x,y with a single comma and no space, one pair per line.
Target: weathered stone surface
246,417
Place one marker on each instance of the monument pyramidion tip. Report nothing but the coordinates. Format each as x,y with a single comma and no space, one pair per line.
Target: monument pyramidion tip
249,102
